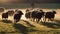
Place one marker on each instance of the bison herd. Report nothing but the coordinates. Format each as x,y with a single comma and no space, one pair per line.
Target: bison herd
35,15
39,15
16,14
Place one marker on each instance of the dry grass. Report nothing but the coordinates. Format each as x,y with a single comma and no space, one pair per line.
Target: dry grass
31,27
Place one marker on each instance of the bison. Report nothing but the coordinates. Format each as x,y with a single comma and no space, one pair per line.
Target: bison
39,15
17,16
50,15
5,15
10,12
33,15
2,9
27,14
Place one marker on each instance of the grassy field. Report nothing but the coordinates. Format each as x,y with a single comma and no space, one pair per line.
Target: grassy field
29,27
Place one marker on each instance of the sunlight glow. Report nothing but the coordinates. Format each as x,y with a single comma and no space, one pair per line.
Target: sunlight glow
7,1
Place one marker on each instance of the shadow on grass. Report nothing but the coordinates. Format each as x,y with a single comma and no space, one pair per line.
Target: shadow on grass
51,25
21,28
58,22
28,23
6,21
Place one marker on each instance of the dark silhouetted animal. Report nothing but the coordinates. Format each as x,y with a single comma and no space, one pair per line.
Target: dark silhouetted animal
2,9
27,10
27,14
10,12
5,15
17,16
33,15
39,15
50,15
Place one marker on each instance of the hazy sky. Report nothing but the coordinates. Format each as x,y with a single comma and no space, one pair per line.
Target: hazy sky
16,3
28,1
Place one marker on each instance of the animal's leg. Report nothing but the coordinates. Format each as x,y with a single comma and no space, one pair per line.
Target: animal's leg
48,19
38,20
15,21
53,20
31,19
44,19
6,18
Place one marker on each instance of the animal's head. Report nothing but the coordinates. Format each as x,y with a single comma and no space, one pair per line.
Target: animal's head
6,12
54,12
20,12
27,10
41,10
16,10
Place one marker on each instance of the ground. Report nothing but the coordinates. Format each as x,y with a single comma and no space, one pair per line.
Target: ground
27,27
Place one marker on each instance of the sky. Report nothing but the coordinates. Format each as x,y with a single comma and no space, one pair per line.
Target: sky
16,3
28,1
